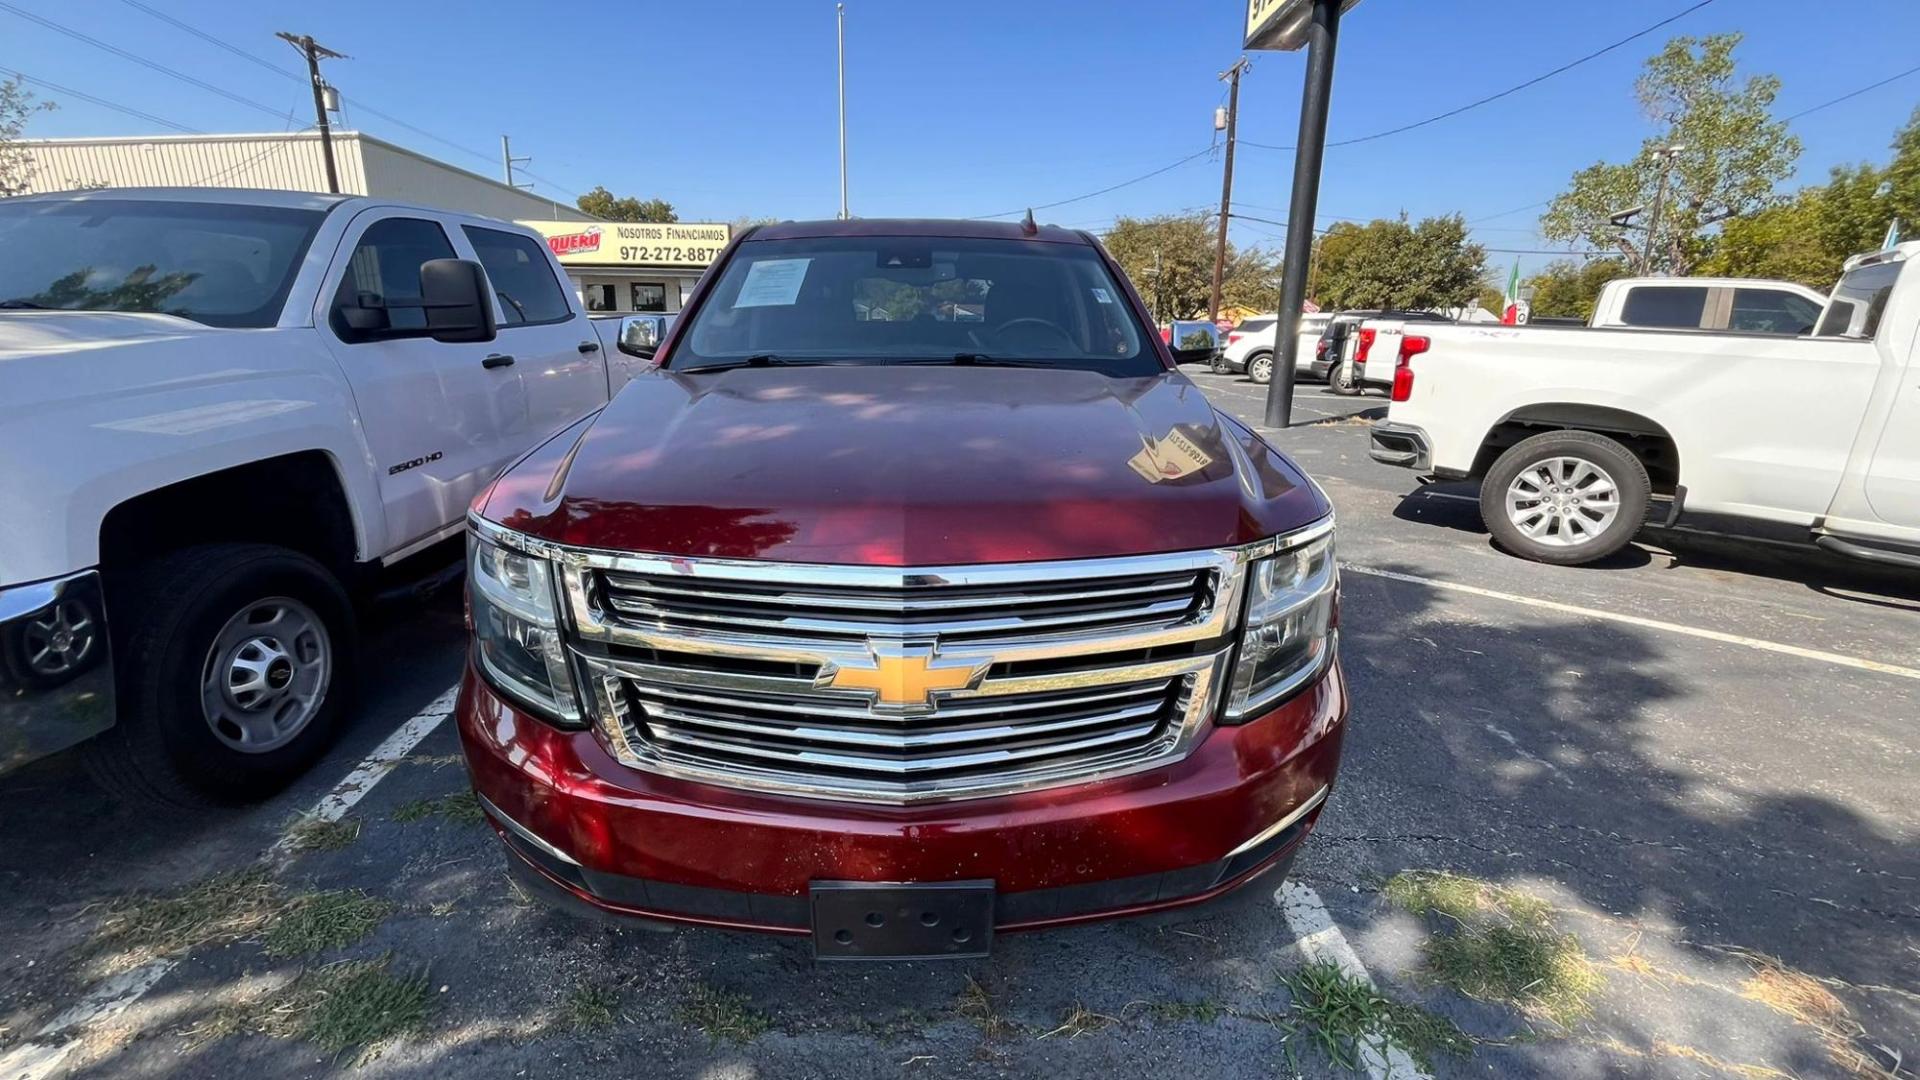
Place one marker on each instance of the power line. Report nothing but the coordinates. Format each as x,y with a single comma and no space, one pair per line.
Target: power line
1504,213
102,102
216,42
1853,94
1489,99
1092,194
143,61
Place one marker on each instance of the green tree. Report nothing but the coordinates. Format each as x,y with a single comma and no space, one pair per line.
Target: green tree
16,163
1394,264
1170,259
1566,289
1735,152
1809,236
604,205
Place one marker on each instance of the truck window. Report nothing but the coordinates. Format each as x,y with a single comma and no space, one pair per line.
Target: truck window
518,271
917,299
1673,306
1770,311
218,264
1859,301
385,269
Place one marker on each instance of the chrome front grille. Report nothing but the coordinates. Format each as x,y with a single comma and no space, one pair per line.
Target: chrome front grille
901,684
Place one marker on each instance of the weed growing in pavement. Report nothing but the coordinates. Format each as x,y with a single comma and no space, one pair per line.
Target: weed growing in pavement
1338,1012
590,1008
358,1003
1801,997
1080,1020
977,1006
315,922
1204,1011
722,1014
1498,944
227,907
461,807
313,834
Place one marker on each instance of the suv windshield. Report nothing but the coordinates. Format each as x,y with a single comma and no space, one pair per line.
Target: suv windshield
221,265
907,300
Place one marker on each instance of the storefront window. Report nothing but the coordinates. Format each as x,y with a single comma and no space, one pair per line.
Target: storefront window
600,297
649,296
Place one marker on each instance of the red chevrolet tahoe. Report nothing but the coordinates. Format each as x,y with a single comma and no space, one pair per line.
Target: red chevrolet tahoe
913,596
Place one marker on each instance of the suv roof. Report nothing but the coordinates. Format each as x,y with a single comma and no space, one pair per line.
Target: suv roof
948,227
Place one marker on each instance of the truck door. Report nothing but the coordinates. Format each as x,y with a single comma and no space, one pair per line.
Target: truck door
433,414
557,357
1893,477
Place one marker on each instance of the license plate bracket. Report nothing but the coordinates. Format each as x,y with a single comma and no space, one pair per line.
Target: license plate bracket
860,920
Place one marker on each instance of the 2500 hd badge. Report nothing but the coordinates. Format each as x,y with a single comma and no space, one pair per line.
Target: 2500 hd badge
415,463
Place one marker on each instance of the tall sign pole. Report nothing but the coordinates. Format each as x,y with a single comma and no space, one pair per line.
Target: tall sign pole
1291,24
1232,75
314,52
840,22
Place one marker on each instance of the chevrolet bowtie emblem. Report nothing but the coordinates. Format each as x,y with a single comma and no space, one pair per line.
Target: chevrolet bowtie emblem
903,676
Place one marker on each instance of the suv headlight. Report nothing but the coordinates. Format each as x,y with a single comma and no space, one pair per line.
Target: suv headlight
1287,633
516,628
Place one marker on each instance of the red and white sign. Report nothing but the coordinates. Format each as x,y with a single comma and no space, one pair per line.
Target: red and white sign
578,243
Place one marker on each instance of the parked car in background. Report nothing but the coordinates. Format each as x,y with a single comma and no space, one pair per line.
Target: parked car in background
1812,439
1253,350
1345,344
854,629
1742,305
226,416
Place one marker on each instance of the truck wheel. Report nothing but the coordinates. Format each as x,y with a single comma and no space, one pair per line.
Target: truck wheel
1344,379
1260,368
1565,497
234,663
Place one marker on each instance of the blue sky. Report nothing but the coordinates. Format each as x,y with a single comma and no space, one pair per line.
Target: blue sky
961,109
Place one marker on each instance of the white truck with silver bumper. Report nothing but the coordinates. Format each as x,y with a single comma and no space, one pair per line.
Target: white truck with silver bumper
221,414
1811,439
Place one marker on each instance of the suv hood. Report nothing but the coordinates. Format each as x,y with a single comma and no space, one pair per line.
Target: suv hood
905,466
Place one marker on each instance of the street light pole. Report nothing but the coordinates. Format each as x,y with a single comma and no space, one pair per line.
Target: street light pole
840,24
1323,36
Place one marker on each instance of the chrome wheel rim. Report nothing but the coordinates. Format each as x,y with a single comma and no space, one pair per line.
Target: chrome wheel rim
1260,370
266,675
1563,501
59,641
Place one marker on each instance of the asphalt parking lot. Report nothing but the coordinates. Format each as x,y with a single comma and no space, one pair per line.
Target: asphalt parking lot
1691,770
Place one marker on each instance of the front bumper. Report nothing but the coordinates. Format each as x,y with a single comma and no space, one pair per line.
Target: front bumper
1400,444
56,669
630,842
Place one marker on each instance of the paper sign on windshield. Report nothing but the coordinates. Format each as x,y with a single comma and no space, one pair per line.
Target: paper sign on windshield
773,283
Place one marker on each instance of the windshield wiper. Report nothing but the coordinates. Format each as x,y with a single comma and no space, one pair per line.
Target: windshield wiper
974,359
23,305
757,360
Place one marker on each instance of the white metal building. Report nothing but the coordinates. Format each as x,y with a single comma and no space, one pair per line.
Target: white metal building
289,161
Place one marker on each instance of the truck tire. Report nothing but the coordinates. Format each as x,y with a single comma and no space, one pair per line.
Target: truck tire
234,664
1260,368
1344,379
1565,497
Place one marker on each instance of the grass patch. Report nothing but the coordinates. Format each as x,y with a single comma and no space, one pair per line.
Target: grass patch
1338,1012
224,908
316,922
1204,1011
356,1004
313,834
590,1008
723,1014
461,807
1804,999
1500,945
1079,1021
976,1006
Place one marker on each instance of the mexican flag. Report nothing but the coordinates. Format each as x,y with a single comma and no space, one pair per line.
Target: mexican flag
1511,315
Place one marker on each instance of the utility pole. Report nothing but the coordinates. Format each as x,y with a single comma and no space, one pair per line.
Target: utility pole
840,29
1322,40
1666,156
1232,75
315,52
509,161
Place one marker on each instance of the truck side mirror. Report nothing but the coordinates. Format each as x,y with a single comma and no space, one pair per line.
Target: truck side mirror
458,303
640,335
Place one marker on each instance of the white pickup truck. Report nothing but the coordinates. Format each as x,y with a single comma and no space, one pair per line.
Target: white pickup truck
222,415
1571,433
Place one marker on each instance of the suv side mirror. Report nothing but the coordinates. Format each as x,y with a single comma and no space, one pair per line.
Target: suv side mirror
640,335
458,303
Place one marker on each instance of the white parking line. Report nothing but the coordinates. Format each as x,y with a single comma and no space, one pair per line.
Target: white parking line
1840,659
43,1055
1320,939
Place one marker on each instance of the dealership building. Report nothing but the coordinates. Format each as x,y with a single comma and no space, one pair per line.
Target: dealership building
615,266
